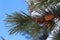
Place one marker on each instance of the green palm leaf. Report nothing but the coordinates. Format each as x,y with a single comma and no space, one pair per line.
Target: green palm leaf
22,23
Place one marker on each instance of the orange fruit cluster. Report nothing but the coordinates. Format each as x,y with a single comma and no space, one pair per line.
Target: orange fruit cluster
48,17
45,19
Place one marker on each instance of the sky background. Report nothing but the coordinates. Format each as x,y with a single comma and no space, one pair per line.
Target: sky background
10,6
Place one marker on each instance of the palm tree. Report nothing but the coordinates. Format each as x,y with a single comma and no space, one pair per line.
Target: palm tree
36,26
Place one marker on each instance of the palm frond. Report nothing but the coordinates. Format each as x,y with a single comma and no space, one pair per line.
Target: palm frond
23,23
57,35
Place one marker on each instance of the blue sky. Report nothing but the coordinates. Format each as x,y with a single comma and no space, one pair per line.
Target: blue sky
10,6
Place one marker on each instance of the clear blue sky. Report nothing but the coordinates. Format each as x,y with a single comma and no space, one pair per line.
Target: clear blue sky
10,6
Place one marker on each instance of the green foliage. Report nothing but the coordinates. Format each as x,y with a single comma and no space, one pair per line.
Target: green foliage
57,35
23,23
